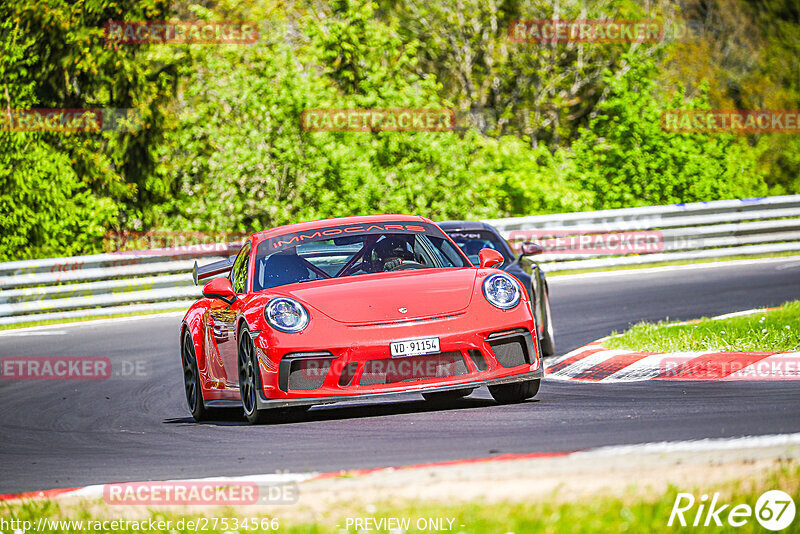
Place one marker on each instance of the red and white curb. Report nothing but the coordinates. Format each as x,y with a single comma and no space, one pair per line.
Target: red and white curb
596,363
790,443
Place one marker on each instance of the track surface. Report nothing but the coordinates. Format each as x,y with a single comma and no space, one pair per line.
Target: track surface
65,434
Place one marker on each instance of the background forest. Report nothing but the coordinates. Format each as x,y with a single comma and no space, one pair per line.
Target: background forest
541,127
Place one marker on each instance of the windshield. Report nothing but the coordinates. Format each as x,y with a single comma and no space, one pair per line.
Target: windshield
352,250
471,242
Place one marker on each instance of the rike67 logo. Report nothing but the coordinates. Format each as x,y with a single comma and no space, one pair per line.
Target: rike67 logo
774,511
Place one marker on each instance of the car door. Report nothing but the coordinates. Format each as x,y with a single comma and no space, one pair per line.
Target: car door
223,318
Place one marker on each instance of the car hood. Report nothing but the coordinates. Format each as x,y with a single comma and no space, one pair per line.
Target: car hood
380,297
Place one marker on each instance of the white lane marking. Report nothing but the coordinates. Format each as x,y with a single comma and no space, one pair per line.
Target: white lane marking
553,277
271,479
94,322
709,444
739,313
38,333
715,318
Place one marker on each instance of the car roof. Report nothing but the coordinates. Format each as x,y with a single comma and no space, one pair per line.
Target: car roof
465,225
472,226
325,223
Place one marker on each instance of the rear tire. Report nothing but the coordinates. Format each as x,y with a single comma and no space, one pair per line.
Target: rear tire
447,396
191,380
515,392
547,342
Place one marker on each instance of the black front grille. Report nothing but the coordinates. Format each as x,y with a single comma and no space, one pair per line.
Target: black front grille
308,374
393,370
511,351
304,370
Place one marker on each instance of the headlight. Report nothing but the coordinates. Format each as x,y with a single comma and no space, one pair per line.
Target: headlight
501,291
286,315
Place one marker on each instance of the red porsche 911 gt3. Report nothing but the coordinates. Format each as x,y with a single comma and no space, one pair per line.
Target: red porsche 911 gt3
342,309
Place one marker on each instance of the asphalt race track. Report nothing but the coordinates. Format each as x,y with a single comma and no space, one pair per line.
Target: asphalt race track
73,433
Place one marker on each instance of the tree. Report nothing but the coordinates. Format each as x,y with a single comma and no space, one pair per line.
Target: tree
45,207
626,159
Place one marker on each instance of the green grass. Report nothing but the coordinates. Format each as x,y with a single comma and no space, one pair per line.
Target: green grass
635,511
676,262
84,319
772,330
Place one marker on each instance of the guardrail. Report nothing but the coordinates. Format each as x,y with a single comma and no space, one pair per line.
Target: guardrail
698,230
153,280
103,284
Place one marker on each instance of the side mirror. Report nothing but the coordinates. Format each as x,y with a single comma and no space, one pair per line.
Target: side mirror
490,257
220,288
531,249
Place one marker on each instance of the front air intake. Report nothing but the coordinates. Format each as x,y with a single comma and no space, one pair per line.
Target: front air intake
302,371
513,350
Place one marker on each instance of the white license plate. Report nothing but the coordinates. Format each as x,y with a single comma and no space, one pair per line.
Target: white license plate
414,347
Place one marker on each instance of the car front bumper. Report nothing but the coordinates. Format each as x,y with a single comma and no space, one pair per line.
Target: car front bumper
360,365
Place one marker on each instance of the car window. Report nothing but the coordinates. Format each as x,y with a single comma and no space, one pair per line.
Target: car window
377,248
471,243
238,274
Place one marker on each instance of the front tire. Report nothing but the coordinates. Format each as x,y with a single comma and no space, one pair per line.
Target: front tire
515,392
249,383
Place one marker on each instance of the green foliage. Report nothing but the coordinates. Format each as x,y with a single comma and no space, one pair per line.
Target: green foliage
45,208
528,180
569,127
245,163
626,159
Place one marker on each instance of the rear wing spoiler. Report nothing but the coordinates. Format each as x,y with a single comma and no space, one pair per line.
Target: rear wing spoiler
212,269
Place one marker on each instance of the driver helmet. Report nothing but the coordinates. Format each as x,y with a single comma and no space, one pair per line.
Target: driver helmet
390,248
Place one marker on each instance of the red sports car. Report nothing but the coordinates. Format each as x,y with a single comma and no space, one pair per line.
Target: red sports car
342,309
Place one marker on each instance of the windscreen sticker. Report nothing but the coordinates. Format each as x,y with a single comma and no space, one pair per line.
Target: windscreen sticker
286,241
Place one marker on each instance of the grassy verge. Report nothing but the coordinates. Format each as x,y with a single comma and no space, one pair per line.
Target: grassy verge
772,330
84,319
635,511
676,262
